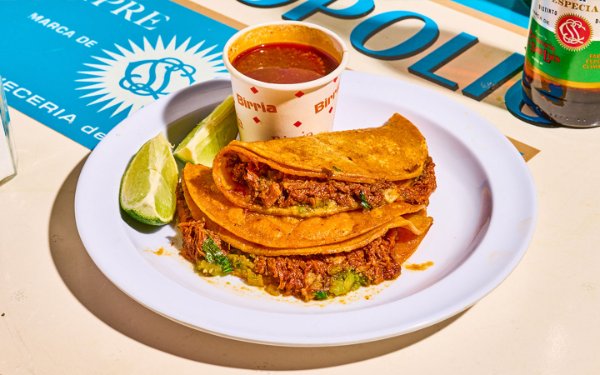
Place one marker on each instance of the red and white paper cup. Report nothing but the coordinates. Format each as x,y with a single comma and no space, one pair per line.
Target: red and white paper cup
282,110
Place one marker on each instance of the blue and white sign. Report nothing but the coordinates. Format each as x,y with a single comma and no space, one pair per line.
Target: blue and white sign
82,66
513,11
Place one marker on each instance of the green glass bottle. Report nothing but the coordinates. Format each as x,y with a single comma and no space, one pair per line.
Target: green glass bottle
562,65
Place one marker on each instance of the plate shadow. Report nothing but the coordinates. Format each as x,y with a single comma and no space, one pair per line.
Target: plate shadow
103,299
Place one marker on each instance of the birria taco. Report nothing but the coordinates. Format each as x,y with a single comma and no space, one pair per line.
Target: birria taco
314,217
310,258
328,173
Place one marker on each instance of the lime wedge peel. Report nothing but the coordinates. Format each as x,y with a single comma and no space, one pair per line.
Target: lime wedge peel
208,137
149,183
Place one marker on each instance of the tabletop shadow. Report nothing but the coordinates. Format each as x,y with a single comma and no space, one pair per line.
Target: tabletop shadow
117,310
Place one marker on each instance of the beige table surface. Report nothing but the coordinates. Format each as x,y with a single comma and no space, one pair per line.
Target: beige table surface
60,315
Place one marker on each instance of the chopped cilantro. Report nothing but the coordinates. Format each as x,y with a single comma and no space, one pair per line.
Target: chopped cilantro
363,201
336,168
213,254
320,295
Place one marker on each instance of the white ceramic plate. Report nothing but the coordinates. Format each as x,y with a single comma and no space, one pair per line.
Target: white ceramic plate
484,210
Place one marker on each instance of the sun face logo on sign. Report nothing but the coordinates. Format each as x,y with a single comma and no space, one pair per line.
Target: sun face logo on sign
155,77
573,32
129,78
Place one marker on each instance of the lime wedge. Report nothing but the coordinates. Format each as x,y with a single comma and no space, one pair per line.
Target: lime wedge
208,137
149,182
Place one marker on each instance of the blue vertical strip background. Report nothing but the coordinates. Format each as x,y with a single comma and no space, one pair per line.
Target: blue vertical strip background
513,11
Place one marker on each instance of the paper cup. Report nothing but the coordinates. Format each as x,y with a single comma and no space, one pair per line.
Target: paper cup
280,110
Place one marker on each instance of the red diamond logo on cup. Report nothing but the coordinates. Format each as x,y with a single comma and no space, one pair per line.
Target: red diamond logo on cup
256,119
335,79
297,123
299,94
254,90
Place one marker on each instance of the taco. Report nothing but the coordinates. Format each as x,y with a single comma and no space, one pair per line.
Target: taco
328,173
310,258
285,234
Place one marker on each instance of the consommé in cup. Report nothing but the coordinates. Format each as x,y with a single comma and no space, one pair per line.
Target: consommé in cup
268,110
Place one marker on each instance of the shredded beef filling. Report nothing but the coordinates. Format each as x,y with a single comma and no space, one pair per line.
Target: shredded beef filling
301,276
270,188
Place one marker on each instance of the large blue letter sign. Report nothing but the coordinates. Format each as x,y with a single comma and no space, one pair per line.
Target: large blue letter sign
410,47
308,8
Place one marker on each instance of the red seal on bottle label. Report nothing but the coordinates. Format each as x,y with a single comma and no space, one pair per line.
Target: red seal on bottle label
573,32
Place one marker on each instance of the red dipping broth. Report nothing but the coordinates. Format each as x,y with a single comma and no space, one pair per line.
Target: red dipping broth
285,63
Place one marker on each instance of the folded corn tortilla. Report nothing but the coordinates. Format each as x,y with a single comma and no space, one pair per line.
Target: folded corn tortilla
264,234
292,176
